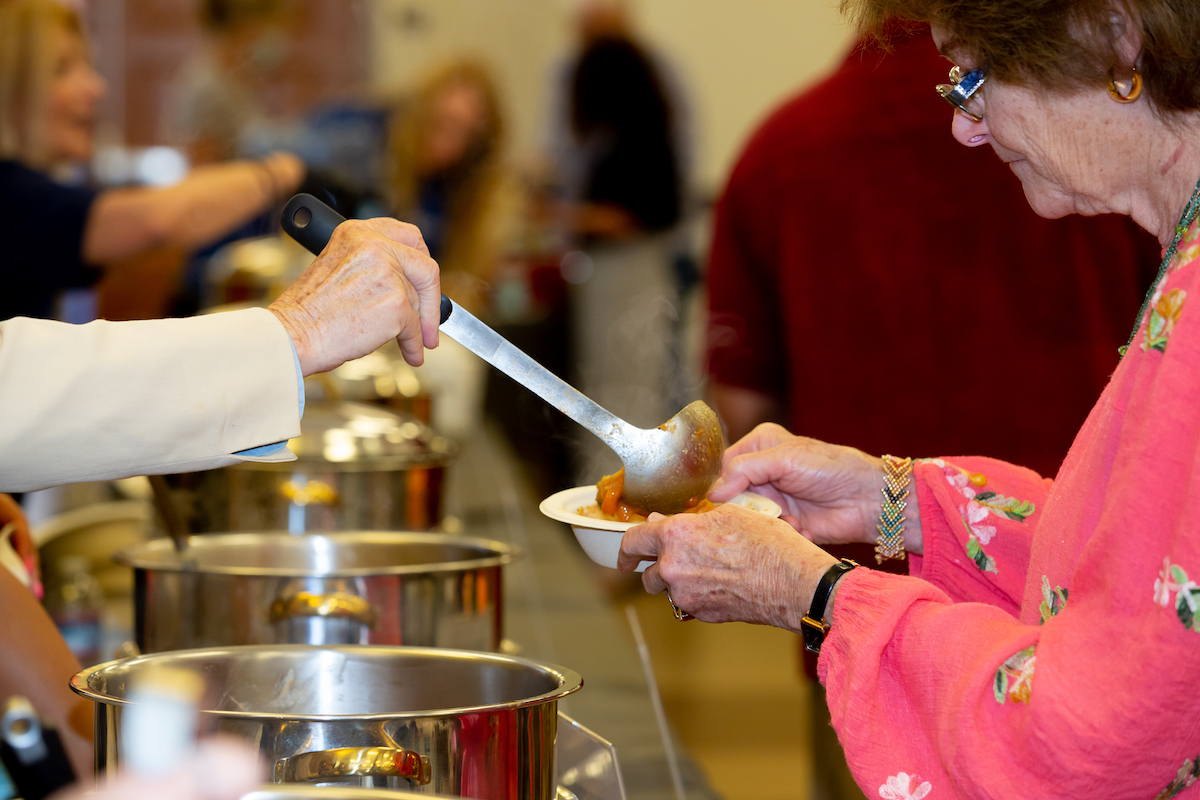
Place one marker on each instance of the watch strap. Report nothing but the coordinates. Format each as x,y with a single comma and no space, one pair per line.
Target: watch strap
813,626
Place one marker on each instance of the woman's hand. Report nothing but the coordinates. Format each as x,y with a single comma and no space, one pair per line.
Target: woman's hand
22,540
730,564
373,282
830,493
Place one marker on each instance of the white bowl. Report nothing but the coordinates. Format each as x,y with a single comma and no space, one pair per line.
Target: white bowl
601,538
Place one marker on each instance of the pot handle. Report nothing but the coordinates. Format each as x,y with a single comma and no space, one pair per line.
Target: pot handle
354,762
311,493
330,604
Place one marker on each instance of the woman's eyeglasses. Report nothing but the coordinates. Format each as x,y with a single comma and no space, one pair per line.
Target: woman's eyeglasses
963,91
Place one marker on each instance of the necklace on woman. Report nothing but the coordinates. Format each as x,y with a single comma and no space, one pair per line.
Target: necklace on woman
1189,216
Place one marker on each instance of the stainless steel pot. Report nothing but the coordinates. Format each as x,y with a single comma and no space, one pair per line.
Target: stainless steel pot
358,467
362,587
427,720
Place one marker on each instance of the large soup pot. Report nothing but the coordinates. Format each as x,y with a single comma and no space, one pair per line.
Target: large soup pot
358,467
359,587
435,721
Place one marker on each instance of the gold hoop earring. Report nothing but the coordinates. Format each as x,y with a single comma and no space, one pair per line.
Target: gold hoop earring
1135,88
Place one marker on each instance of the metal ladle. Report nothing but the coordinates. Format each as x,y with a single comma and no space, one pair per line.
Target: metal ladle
667,469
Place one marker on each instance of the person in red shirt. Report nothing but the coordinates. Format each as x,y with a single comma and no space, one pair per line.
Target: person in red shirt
842,250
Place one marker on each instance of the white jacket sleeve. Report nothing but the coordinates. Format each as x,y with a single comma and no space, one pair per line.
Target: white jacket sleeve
113,399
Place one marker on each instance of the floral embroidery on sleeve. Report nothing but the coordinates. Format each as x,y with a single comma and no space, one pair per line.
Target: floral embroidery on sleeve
905,787
978,507
1014,679
1172,578
1053,600
982,560
1164,313
1186,777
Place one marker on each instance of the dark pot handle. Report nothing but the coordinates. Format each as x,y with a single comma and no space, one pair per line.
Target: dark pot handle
311,223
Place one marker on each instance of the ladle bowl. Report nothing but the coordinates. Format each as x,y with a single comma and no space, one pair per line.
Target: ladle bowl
671,467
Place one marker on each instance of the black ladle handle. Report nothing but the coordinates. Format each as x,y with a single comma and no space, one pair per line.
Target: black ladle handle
311,223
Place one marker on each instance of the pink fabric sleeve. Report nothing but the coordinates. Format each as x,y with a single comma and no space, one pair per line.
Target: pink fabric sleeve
978,516
941,699
1089,690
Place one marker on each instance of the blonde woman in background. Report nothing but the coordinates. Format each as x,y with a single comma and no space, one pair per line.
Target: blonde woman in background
448,176
59,236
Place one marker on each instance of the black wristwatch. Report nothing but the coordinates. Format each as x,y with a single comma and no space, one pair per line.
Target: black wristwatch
814,626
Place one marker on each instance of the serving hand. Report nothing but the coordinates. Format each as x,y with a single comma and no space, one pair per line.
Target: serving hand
374,281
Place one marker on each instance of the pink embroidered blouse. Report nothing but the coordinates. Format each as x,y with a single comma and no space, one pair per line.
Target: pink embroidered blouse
1047,644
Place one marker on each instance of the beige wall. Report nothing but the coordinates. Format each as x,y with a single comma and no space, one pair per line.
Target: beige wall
738,58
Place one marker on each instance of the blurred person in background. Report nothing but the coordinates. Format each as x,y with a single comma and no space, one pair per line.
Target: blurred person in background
808,314
448,178
446,173
59,236
621,163
217,100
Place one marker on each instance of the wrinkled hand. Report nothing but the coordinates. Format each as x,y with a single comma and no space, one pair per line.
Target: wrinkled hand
373,282
22,539
222,769
829,493
730,564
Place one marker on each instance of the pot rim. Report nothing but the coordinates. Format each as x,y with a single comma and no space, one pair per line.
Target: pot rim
570,681
502,554
314,465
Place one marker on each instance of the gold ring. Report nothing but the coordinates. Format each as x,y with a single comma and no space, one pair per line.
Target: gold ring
680,614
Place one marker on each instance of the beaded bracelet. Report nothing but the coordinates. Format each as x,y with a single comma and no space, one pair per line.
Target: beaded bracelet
897,474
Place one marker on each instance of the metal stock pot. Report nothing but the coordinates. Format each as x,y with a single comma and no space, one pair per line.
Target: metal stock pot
358,467
434,721
361,587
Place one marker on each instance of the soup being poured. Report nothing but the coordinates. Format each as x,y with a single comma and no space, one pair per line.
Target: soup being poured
610,505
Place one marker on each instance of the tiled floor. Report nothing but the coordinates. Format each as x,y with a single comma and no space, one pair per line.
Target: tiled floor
733,694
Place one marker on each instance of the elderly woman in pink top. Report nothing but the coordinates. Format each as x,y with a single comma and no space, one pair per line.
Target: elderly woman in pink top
1047,641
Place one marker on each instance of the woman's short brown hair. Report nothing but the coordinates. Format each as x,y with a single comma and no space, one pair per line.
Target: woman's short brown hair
1060,45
